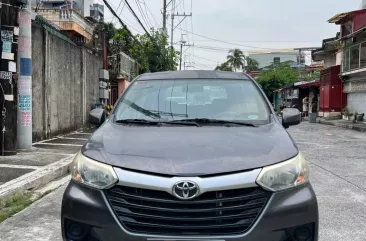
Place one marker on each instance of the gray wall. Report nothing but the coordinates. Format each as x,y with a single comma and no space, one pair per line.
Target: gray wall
356,102
65,84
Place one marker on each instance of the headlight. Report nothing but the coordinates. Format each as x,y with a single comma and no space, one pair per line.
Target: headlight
92,173
284,175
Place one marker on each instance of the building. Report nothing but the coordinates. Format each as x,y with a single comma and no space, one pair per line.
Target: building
73,17
352,44
332,99
267,58
97,12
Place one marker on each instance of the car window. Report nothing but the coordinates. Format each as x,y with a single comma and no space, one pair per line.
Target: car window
238,100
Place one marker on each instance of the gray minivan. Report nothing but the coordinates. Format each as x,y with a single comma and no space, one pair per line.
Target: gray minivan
161,168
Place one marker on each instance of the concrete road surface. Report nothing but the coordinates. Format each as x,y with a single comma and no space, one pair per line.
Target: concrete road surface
338,167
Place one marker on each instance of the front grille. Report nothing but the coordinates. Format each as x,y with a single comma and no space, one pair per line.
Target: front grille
212,213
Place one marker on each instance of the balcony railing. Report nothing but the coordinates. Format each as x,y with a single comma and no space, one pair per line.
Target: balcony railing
69,20
354,57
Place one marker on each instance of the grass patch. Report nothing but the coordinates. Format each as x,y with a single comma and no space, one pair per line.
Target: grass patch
14,205
19,202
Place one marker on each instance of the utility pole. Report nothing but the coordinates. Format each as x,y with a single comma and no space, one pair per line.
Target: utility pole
184,15
164,17
25,78
182,43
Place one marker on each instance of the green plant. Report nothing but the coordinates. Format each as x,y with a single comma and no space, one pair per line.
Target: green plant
346,111
339,45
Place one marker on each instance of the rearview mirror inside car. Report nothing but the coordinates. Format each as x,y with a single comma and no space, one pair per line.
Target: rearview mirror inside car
291,117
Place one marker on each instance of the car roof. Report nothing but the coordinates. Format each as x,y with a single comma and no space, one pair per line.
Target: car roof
193,74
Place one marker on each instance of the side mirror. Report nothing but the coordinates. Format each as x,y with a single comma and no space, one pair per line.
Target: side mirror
290,117
97,116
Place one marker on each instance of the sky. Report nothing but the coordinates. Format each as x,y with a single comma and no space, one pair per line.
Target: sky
249,25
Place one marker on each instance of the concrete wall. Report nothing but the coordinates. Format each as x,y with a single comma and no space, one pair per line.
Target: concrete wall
330,60
65,84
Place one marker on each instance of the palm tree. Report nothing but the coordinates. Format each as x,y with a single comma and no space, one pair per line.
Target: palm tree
224,67
252,64
236,59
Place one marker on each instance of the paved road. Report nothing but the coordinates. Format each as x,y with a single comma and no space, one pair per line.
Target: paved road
338,167
43,153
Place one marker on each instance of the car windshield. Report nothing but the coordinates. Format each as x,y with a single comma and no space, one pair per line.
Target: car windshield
173,100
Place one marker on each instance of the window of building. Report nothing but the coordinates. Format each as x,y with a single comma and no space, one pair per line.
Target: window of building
346,28
355,57
363,55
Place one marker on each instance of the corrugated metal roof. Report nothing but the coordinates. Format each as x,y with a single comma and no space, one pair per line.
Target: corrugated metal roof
340,16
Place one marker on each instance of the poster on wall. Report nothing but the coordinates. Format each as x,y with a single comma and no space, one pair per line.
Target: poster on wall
8,56
26,118
25,102
7,46
7,35
24,85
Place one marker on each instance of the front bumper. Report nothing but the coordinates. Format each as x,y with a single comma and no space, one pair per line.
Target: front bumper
284,212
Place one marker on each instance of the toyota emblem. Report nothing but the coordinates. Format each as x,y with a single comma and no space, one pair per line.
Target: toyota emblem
185,190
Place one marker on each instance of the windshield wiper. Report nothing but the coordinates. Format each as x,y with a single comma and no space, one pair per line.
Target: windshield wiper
206,120
158,123
137,121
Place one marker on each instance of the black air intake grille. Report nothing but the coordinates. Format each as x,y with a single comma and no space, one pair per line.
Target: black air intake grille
212,213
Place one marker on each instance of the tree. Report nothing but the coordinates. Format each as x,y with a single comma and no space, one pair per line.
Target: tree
154,54
252,65
276,78
224,67
236,59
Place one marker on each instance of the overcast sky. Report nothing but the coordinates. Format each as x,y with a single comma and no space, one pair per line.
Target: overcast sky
246,24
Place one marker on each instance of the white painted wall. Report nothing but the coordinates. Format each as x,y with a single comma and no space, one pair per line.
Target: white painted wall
357,102
339,58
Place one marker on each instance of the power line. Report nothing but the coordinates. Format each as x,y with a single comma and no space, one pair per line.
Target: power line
221,41
121,22
147,8
133,12
117,9
259,41
196,56
148,24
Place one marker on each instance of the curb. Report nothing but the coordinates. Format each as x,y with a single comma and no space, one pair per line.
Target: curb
346,126
35,179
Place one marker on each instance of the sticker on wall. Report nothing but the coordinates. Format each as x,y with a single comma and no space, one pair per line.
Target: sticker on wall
16,31
25,67
8,56
26,118
12,66
9,97
24,85
7,35
6,75
7,46
25,102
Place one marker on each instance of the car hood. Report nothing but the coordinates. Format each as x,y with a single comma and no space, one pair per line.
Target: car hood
188,150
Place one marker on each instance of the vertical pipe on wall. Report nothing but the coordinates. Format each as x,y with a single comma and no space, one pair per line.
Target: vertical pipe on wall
25,79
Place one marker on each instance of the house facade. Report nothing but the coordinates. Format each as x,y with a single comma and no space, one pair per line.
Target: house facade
352,41
74,17
332,100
